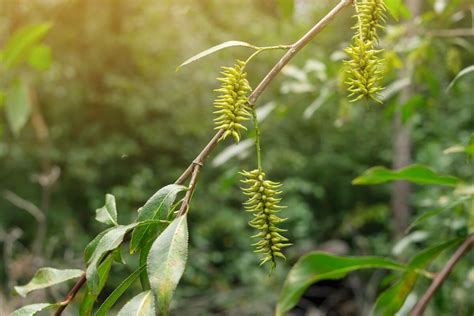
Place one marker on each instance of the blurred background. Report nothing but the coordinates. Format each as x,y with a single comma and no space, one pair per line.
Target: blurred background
97,107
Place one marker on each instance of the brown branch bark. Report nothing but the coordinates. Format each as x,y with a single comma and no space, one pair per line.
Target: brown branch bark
70,296
441,276
194,168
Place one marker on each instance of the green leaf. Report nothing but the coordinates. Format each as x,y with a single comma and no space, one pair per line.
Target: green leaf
46,277
394,7
90,248
90,298
107,214
414,173
461,74
18,106
40,57
118,292
149,238
167,261
429,214
19,45
109,241
214,49
160,202
30,310
391,300
317,266
141,305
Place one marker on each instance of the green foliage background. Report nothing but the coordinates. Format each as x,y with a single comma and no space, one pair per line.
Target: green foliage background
122,121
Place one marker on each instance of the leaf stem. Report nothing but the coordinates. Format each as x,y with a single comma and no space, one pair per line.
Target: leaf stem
257,138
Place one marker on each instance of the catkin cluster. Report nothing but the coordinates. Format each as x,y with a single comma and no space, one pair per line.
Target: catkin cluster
364,67
263,202
232,105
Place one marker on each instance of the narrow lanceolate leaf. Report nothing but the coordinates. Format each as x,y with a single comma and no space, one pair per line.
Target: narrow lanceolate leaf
391,300
90,248
90,297
461,74
46,277
141,305
167,261
110,241
20,44
317,266
214,49
18,106
159,203
418,174
118,292
31,310
429,214
107,214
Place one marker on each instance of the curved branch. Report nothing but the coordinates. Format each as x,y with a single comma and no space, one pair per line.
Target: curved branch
442,275
294,49
194,168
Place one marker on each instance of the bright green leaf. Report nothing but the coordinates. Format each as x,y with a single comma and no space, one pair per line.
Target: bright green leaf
167,261
118,292
317,266
46,277
31,310
18,106
107,214
213,50
414,173
391,300
394,7
158,204
109,241
19,45
40,57
141,305
461,74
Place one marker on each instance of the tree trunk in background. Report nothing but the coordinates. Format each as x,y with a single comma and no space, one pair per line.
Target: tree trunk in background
400,199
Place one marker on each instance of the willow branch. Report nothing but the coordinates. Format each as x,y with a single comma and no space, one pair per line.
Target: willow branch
70,295
441,276
294,49
195,167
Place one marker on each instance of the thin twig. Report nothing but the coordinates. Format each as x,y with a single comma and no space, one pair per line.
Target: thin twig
442,275
194,168
24,205
70,295
192,186
295,48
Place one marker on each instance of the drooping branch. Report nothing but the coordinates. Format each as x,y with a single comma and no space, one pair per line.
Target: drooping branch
195,167
295,48
442,275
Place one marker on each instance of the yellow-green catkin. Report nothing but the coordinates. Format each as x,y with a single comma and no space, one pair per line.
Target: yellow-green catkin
232,104
264,202
364,67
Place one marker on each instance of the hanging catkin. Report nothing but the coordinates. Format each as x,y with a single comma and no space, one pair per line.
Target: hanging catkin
232,105
364,67
264,202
